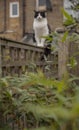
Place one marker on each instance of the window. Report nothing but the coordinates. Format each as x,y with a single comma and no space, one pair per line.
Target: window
44,3
49,5
14,9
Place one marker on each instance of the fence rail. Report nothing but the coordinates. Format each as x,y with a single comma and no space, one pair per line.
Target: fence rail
15,58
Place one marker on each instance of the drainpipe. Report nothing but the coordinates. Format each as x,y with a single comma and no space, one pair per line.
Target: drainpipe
4,28
4,15
24,16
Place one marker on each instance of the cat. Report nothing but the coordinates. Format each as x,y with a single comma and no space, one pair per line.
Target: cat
40,27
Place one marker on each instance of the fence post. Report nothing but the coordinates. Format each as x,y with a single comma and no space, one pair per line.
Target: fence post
63,54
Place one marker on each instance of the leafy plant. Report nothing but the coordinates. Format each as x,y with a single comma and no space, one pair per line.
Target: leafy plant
47,103
69,19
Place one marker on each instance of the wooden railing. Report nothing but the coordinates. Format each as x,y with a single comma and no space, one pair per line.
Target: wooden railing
15,58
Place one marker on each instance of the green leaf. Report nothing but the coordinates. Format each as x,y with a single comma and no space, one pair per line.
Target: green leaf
64,36
69,19
3,82
66,14
72,62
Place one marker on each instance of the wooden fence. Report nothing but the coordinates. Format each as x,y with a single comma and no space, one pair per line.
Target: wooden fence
16,57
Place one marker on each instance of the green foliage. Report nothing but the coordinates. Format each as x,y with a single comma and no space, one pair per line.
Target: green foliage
69,19
76,7
74,38
65,36
49,102
72,62
6,128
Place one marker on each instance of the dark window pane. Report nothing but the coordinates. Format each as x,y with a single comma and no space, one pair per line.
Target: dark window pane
48,5
42,2
14,9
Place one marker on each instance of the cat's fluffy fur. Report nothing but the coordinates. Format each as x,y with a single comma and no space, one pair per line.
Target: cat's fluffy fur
40,27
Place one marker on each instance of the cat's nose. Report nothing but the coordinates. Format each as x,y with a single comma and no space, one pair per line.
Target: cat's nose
39,17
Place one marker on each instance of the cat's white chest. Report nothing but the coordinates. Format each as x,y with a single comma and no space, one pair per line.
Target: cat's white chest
39,24
41,29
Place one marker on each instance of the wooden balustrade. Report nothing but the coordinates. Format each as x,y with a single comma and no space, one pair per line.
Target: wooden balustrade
15,58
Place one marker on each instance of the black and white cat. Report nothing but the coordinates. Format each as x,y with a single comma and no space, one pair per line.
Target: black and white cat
40,27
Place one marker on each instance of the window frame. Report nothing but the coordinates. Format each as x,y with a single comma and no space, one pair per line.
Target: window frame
11,9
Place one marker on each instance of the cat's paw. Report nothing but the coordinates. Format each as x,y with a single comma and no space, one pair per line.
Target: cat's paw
41,45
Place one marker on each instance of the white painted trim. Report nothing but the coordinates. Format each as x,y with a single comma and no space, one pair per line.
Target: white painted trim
37,4
11,4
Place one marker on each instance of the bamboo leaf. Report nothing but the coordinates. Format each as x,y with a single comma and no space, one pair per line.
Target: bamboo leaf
64,36
69,19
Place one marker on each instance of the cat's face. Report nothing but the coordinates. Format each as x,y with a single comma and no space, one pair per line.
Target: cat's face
39,15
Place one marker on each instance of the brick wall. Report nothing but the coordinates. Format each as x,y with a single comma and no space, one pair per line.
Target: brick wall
2,16
55,17
30,6
14,26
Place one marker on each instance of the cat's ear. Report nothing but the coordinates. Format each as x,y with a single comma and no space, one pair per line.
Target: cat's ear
35,11
45,11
